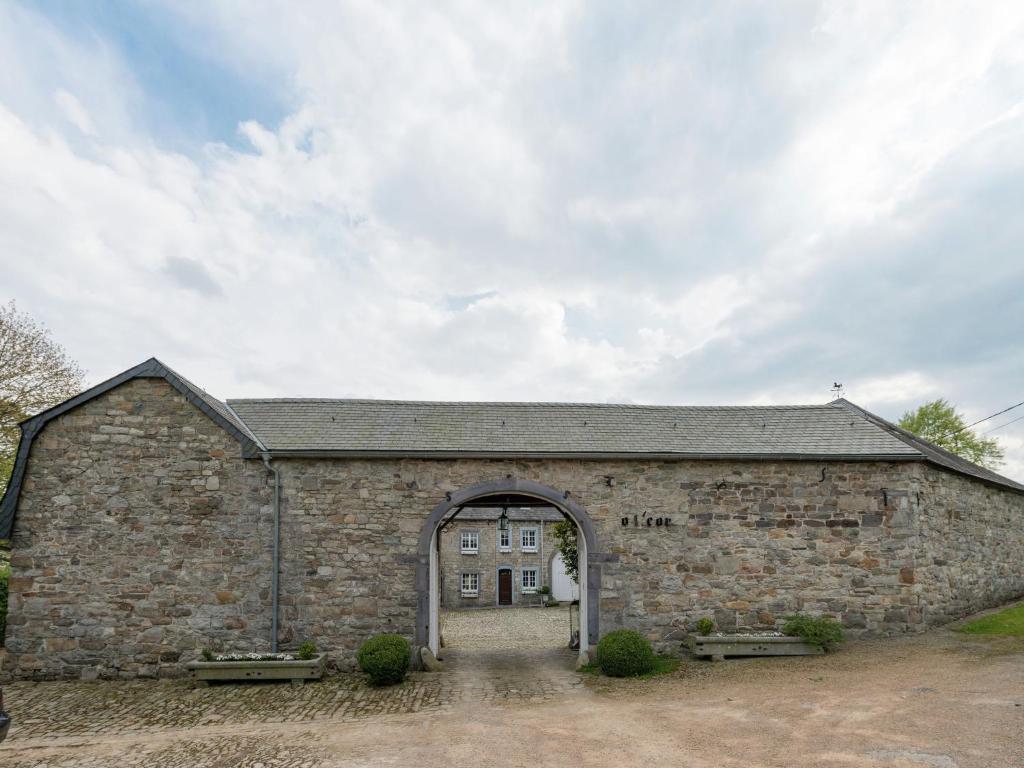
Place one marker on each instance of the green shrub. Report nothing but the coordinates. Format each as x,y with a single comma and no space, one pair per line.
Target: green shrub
544,590
625,653
385,658
208,655
663,665
824,632
706,626
307,650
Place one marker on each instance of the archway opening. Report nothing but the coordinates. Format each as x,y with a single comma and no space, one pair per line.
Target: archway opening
510,568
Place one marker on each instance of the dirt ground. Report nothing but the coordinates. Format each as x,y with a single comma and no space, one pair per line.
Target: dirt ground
941,700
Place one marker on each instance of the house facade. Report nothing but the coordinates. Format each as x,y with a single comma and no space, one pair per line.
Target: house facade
148,520
484,564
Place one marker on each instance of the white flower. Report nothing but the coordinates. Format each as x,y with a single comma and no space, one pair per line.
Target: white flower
255,657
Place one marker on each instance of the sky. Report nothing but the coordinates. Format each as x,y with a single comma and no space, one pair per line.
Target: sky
687,203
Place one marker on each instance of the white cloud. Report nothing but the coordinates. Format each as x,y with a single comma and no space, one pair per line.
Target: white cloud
910,387
74,112
726,206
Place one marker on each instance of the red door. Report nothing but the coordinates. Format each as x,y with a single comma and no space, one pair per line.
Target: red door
505,587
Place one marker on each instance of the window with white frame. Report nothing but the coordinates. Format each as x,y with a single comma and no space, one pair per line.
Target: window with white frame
470,584
529,579
505,540
470,542
528,539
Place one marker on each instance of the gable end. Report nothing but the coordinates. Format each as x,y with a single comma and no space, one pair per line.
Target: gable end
152,368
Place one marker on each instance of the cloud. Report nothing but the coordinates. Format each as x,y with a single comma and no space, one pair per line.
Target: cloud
75,112
462,303
191,274
682,204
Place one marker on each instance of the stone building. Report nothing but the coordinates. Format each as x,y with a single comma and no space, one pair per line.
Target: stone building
149,520
483,565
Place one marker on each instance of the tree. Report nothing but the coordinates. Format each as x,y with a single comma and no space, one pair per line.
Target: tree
35,374
565,542
939,423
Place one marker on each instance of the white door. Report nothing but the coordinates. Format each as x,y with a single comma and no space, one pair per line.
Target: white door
563,588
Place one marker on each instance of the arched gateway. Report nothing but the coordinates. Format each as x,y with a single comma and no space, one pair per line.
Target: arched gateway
510,492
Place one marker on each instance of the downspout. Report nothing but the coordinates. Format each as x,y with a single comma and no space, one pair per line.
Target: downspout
544,576
274,585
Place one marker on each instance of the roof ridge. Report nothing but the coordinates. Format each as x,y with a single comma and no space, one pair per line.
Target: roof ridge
521,403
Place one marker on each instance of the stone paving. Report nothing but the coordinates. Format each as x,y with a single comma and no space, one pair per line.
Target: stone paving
504,628
945,699
509,654
55,721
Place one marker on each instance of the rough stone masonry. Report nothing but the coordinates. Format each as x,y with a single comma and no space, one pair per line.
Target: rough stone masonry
143,534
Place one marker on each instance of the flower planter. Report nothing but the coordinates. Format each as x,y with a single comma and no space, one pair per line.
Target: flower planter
718,647
296,670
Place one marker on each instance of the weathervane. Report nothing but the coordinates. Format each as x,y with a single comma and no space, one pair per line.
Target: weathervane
837,390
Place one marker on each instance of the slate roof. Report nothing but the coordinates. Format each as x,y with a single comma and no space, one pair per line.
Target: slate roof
833,432
515,514
558,429
931,452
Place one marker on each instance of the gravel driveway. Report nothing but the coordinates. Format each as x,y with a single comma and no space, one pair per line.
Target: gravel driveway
940,700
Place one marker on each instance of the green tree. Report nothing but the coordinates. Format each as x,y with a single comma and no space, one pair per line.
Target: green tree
566,543
35,374
939,423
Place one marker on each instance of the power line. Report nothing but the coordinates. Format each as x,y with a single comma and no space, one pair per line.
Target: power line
1013,421
997,413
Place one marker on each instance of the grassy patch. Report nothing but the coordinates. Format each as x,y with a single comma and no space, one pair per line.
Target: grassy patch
663,665
1009,623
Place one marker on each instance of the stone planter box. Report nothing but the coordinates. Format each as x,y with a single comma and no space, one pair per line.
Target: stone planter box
297,670
718,647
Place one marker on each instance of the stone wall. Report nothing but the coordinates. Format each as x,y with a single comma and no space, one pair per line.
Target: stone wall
489,559
746,542
970,552
141,538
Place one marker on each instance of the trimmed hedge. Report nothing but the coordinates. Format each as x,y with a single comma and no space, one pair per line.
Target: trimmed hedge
385,658
625,653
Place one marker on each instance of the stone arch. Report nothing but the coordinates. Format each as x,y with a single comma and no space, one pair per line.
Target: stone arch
426,563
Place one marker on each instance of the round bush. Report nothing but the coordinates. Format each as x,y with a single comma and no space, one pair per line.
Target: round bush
385,658
625,653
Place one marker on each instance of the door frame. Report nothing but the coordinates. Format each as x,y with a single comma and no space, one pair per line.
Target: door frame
511,585
591,558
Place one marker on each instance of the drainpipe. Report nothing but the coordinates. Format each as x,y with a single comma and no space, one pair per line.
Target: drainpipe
541,568
277,550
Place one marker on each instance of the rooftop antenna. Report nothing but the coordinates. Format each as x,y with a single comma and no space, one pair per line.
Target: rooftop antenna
837,390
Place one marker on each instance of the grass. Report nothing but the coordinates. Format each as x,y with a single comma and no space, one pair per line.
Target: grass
663,665
1009,623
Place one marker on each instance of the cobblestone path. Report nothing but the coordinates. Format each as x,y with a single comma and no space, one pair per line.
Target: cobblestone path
509,654
506,628
172,723
943,699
